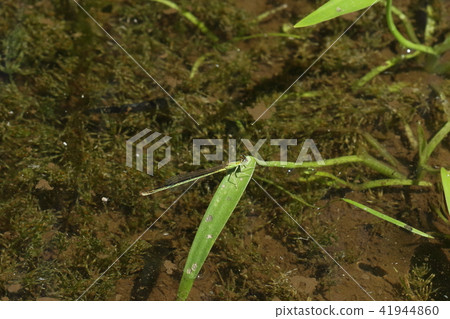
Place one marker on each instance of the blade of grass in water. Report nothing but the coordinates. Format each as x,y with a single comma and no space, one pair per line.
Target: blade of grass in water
445,177
219,210
333,9
387,218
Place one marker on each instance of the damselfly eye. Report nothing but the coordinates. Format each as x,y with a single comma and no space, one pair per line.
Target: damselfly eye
244,160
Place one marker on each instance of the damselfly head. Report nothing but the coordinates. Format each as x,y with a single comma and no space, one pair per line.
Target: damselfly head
244,159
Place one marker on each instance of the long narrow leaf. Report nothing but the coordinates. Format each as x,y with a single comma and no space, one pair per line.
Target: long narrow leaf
333,9
445,177
219,210
387,218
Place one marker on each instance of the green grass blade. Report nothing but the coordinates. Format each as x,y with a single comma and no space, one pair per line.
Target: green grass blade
189,16
387,218
219,210
445,177
333,9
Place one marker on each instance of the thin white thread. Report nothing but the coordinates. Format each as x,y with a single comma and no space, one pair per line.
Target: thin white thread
316,242
315,61
136,62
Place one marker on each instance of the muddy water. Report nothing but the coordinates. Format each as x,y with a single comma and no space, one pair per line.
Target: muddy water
71,99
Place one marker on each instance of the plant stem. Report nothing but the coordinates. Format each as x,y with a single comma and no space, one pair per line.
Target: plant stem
388,64
193,19
266,14
381,149
292,195
405,42
328,162
425,154
365,158
408,26
198,63
381,167
269,34
373,184
436,140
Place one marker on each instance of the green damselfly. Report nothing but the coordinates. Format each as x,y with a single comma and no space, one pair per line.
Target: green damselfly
194,176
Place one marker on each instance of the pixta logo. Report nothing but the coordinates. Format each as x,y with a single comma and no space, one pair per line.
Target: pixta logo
146,140
148,144
308,146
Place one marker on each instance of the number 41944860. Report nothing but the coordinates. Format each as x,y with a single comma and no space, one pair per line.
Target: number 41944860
409,310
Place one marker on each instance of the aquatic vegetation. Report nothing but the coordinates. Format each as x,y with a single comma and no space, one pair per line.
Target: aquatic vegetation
233,186
417,285
387,218
69,207
336,8
444,210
